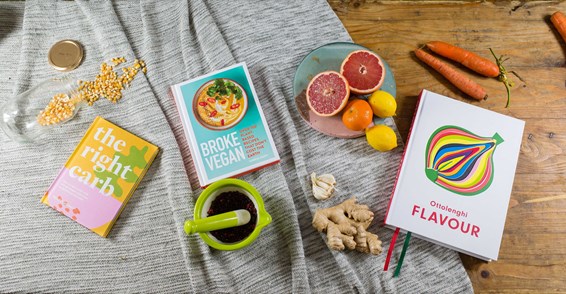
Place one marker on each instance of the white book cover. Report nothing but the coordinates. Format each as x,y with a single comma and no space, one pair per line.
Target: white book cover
455,180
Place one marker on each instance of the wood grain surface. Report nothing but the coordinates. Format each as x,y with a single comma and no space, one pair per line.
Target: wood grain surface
533,252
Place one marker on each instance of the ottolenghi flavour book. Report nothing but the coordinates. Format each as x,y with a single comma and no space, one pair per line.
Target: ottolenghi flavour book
456,176
100,176
224,124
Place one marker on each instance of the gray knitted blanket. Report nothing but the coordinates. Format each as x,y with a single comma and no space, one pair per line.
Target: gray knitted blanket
147,250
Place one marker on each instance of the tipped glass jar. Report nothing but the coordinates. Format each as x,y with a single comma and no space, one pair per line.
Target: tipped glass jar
27,116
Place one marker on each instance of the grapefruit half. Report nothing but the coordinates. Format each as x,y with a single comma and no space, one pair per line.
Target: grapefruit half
364,71
328,93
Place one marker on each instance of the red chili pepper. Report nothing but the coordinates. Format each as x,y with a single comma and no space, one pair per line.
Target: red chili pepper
223,102
213,114
234,106
222,122
211,100
202,103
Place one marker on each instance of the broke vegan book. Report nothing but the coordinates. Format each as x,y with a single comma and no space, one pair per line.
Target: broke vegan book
100,176
455,180
224,124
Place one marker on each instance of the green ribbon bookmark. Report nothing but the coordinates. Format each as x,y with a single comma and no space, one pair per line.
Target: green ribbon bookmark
405,246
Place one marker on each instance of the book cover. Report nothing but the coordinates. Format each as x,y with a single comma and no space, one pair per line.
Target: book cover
455,180
100,176
224,124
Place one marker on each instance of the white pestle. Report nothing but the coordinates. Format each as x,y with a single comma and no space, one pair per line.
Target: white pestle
225,220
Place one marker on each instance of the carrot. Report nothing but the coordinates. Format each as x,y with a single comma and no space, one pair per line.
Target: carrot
558,19
457,79
468,59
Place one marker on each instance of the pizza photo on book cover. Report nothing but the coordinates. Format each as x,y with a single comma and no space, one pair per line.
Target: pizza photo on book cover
224,124
456,176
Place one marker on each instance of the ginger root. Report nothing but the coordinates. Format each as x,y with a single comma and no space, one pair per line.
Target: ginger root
345,226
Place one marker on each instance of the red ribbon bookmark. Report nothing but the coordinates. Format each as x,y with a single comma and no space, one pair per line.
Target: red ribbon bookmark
390,251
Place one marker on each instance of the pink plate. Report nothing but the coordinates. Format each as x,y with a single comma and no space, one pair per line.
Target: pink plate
324,58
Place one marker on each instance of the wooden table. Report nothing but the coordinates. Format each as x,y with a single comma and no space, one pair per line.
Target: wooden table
533,251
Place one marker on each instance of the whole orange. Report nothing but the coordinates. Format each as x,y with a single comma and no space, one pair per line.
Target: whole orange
357,115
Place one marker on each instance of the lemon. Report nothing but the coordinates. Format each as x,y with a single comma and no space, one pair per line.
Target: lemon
382,104
381,137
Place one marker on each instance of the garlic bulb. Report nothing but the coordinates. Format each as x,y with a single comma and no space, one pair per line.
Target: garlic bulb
322,186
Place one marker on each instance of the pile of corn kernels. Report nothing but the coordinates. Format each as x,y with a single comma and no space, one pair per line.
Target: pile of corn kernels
107,84
59,109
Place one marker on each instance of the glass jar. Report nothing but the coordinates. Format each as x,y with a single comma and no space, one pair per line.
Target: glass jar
29,115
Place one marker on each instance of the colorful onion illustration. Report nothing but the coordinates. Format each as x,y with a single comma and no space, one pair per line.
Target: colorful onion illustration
460,161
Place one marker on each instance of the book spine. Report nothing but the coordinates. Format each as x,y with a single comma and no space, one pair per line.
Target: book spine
407,146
